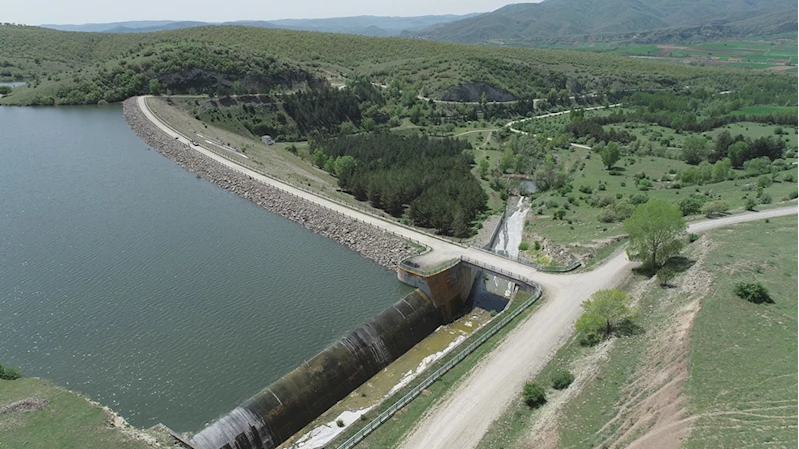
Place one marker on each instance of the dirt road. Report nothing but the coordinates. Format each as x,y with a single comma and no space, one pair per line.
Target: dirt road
461,420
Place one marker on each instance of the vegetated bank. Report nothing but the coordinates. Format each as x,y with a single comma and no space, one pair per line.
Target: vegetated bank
696,363
28,404
375,245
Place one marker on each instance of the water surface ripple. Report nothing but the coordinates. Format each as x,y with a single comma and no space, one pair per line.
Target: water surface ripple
156,293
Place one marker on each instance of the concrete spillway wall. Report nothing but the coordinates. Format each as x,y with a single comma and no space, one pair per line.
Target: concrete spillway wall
278,412
275,414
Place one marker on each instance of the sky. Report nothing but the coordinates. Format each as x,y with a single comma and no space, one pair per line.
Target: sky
37,12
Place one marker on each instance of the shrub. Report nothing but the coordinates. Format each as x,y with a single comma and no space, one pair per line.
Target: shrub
753,292
693,237
715,208
692,204
639,198
537,245
559,214
600,200
9,373
561,379
524,246
750,204
586,189
340,422
764,181
534,394
765,198
665,275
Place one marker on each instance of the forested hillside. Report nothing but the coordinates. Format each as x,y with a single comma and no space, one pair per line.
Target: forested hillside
535,23
57,62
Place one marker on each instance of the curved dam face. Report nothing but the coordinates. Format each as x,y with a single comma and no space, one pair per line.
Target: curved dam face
278,412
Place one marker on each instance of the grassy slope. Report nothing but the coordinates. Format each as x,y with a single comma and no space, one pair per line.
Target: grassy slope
742,380
67,420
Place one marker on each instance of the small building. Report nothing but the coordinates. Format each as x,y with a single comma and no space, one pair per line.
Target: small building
267,140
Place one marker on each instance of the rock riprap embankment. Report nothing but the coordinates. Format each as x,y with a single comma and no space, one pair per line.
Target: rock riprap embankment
382,248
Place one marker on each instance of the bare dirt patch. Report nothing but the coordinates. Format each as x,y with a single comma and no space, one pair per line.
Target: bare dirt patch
653,412
24,405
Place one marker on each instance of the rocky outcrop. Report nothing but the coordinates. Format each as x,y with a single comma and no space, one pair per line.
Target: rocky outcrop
384,249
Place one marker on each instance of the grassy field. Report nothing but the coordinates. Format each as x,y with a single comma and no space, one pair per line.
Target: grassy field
585,226
735,377
754,53
764,110
743,380
66,421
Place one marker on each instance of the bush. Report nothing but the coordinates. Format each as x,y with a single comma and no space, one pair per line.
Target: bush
586,189
765,198
9,373
534,394
750,204
764,181
340,422
715,208
639,198
693,237
537,245
561,379
665,275
524,246
692,204
753,292
600,200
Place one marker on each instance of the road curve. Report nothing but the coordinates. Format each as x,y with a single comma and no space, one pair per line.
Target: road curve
461,420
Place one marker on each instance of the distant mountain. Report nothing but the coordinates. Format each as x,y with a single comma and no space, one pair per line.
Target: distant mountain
362,25
536,22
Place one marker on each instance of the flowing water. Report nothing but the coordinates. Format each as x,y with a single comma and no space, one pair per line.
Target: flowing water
509,237
510,234
170,300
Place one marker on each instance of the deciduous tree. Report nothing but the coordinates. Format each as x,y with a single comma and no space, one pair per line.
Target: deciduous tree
655,230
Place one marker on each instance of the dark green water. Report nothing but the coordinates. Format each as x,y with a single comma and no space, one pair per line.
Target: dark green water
170,300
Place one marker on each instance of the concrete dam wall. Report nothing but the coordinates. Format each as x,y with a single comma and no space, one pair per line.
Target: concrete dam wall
278,412
275,414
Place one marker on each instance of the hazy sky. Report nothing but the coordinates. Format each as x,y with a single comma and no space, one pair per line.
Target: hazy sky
36,12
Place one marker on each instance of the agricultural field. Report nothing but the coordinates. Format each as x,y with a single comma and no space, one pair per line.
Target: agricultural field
702,368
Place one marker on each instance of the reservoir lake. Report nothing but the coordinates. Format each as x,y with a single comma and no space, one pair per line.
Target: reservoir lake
158,294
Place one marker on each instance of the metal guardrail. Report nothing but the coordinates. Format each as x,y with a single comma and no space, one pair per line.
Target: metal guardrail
417,390
416,270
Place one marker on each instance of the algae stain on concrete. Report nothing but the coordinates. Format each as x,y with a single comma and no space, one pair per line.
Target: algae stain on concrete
405,369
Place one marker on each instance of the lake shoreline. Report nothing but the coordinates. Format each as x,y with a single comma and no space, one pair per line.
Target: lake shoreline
384,249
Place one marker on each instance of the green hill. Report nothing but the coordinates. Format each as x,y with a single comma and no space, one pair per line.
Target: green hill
550,20
71,67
